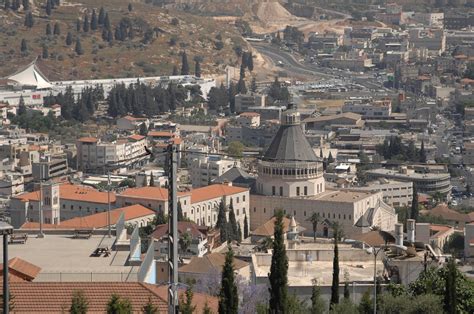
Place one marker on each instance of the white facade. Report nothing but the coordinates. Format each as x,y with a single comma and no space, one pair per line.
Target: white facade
376,109
206,170
395,193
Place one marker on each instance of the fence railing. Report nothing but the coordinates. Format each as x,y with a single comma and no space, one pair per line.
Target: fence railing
87,277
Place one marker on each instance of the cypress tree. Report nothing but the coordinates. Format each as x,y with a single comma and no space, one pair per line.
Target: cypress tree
450,296
330,158
241,87
100,20
85,26
186,306
15,5
78,25
48,29
57,30
69,39
29,21
49,7
130,7
335,266
7,5
23,46
228,296
175,70
94,20
21,106
222,222
414,204
422,152
45,53
107,22
78,49
250,62
184,64
253,85
346,290
152,180
233,229
180,212
242,71
197,68
278,276
317,302
246,227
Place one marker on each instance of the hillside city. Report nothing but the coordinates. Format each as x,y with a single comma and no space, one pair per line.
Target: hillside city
247,156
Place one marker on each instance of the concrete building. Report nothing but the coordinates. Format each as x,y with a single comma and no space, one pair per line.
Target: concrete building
50,166
468,154
344,120
290,178
198,246
395,193
373,109
429,183
11,184
432,39
129,123
203,171
93,155
245,101
469,241
248,119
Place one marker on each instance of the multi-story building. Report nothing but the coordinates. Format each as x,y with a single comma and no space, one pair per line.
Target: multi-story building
245,101
429,183
248,119
50,166
395,193
11,183
458,20
94,155
432,39
198,245
290,178
206,170
468,154
373,109
60,202
260,136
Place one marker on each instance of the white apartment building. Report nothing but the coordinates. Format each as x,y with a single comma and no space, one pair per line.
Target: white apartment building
372,109
93,155
432,39
11,184
210,168
395,193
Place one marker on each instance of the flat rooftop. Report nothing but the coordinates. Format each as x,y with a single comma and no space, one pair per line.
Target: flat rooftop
414,175
342,196
63,258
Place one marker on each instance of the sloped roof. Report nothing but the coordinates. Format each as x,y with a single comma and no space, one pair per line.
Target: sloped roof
447,213
183,227
268,228
73,192
199,299
375,238
20,270
236,175
210,263
55,297
31,76
290,144
214,191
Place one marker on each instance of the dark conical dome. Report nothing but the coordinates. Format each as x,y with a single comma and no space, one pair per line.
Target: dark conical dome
290,144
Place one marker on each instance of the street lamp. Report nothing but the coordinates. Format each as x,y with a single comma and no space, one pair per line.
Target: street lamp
375,252
5,229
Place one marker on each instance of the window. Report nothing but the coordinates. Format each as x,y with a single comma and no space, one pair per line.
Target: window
192,211
294,213
243,198
304,213
72,207
237,212
214,217
255,209
349,217
159,207
281,191
339,216
237,200
149,205
273,190
80,207
333,216
208,218
305,190
64,206
264,210
298,191
344,216
184,202
324,215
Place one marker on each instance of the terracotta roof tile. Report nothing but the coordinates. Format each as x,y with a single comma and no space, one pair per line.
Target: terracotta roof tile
73,192
21,270
148,192
214,191
88,140
160,134
249,114
55,297
209,263
183,226
268,228
136,137
199,299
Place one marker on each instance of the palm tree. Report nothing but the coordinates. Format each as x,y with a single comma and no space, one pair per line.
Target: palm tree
314,219
267,243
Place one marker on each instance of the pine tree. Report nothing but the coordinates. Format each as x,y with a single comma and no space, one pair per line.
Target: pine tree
130,7
197,68
186,306
335,266
246,227
180,212
7,5
69,39
221,223
152,180
21,106
85,25
26,5
228,295
233,229
317,302
57,30
422,152
241,87
100,20
79,303
78,25
48,29
150,308
45,53
253,85
117,305
365,304
278,276
94,20
184,64
78,49
49,7
414,204
250,62
29,21
23,46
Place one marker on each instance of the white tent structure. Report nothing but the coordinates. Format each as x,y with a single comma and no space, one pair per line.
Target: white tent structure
31,76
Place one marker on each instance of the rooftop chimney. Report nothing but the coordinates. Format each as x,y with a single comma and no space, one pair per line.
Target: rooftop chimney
411,230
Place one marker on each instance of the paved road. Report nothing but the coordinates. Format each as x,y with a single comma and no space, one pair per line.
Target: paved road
291,65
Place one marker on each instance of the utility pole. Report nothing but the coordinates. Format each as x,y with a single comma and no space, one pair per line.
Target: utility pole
109,233
172,230
41,234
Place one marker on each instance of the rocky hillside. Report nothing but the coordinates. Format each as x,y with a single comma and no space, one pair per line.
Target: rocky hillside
73,41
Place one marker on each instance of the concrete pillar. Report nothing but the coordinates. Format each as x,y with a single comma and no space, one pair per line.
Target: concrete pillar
399,234
411,230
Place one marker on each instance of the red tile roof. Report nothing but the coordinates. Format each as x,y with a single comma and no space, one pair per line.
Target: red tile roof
148,192
268,228
55,297
210,263
20,270
96,221
183,227
73,192
249,114
160,134
136,137
214,191
88,140
199,299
